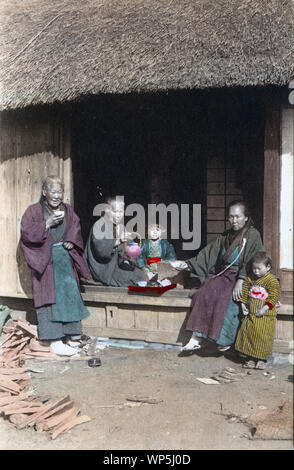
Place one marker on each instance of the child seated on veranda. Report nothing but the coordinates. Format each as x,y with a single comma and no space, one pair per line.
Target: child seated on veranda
260,294
155,250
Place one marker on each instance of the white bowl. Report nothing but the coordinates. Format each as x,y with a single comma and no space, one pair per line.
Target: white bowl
59,213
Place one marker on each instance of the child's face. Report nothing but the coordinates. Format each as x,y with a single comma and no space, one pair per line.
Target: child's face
154,233
260,269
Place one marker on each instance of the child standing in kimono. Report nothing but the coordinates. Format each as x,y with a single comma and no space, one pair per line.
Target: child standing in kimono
260,294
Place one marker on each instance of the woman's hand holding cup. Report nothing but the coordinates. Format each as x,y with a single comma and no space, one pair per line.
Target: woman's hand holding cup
54,219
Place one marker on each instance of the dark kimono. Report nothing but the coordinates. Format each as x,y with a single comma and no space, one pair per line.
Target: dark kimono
214,315
104,258
55,270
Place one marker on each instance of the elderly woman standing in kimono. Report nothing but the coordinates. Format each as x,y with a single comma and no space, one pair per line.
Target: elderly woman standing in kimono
221,268
53,248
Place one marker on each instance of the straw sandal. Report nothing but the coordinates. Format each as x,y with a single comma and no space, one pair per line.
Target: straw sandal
249,364
261,365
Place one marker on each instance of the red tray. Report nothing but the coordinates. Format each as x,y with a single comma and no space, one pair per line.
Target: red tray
159,289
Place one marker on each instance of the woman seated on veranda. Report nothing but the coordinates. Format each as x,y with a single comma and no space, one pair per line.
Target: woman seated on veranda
221,268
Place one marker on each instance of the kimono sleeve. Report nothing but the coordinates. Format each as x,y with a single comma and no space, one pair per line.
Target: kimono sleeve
142,259
274,290
33,229
253,245
203,264
170,252
102,249
245,291
35,240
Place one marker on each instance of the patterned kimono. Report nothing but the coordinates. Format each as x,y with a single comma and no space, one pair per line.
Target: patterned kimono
256,334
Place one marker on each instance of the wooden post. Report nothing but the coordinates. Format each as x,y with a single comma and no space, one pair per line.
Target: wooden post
271,194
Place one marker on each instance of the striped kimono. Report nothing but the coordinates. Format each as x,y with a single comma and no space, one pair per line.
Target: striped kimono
256,334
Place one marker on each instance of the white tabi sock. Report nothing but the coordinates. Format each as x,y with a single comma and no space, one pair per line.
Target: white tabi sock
194,343
61,349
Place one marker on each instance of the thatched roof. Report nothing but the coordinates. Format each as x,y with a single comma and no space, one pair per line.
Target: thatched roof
60,50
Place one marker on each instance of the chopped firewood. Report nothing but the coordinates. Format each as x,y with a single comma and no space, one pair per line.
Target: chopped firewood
9,384
12,398
14,377
51,404
12,344
36,346
25,410
20,404
63,406
13,363
7,337
24,384
7,355
10,326
66,427
59,418
6,389
18,419
12,370
18,332
34,354
26,326
17,351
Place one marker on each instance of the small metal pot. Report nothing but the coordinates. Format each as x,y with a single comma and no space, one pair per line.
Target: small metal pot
94,362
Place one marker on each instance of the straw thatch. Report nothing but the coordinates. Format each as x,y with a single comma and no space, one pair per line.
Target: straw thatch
60,50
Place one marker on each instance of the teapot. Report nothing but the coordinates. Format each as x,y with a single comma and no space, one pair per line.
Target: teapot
133,249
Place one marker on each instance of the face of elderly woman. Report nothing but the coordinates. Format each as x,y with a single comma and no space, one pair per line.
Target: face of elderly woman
236,217
115,211
53,194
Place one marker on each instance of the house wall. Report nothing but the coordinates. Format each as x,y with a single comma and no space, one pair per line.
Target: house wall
33,145
286,201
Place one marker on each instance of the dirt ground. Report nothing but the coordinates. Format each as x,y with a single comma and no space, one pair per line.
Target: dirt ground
187,414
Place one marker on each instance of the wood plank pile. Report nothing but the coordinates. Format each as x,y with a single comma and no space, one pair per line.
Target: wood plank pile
55,416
